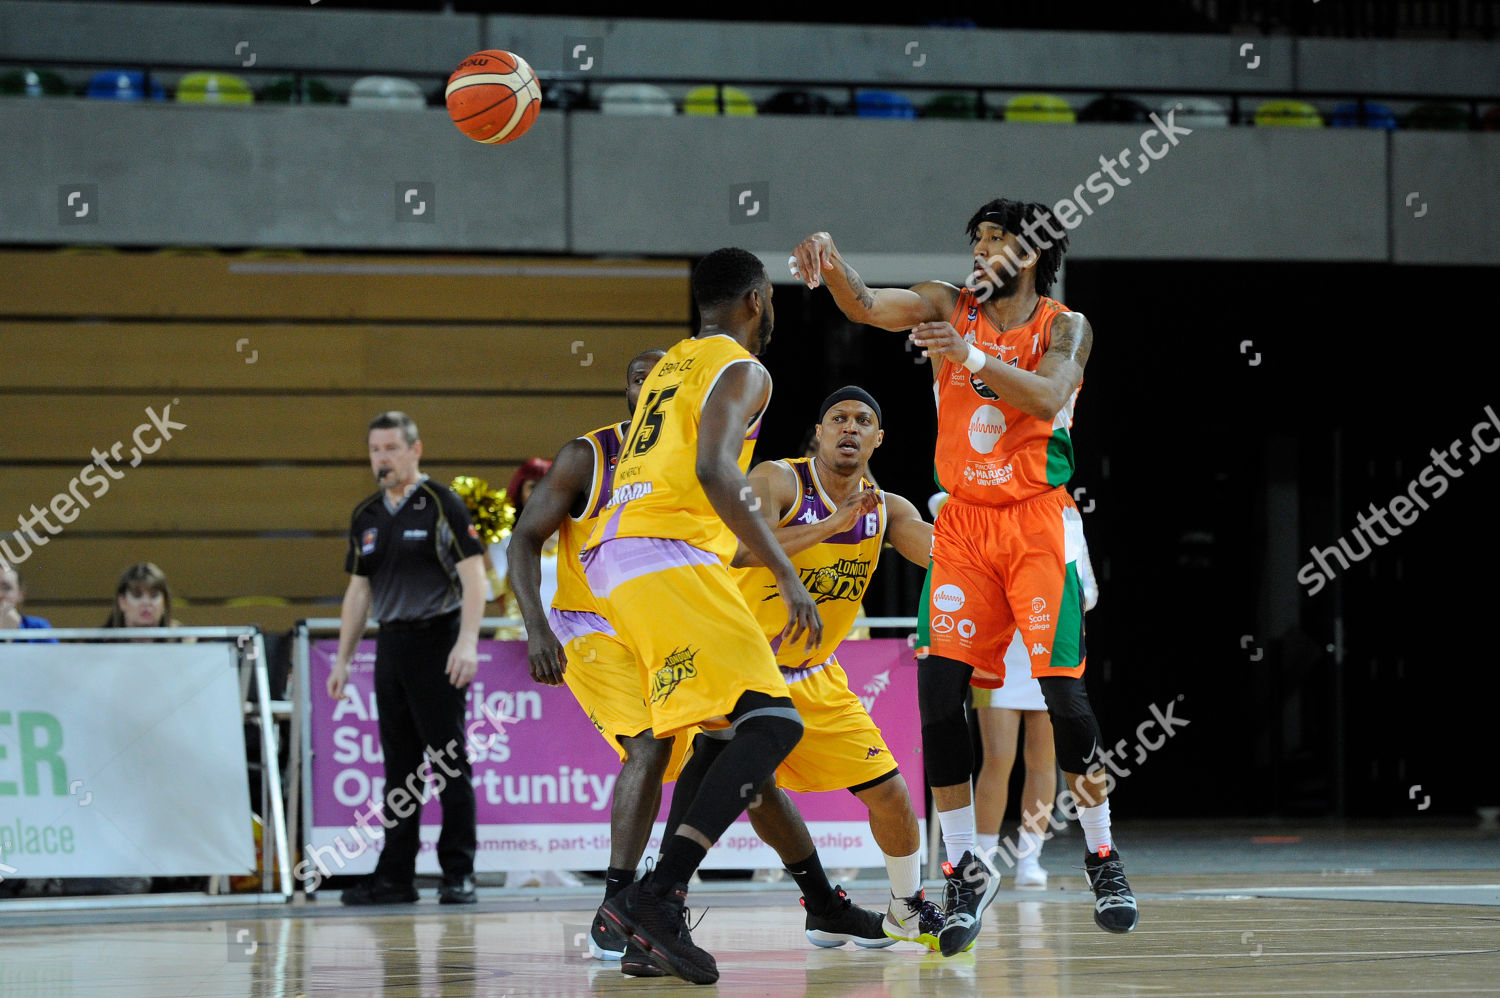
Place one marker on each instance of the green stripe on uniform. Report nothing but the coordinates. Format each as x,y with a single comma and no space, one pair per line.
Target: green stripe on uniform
1059,457
924,633
1067,646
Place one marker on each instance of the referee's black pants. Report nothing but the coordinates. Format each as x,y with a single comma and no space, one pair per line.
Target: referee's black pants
420,709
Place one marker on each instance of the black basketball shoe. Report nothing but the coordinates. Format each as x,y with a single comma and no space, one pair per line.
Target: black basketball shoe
1114,904
658,924
970,889
846,922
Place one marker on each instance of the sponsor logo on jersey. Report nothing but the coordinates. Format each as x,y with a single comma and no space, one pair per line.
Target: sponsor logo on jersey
678,667
948,597
874,751
1039,649
625,493
986,427
367,541
1038,604
595,718
973,312
966,628
986,473
942,624
809,516
981,389
1039,621
415,534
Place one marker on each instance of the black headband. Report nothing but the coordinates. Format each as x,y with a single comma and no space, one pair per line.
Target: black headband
847,393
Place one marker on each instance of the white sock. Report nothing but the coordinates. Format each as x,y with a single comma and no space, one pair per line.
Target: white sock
1095,822
987,843
1029,846
958,831
905,873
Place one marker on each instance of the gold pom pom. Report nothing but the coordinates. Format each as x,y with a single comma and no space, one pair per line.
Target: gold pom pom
489,509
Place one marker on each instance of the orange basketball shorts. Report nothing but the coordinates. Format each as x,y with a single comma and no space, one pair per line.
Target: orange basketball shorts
1000,570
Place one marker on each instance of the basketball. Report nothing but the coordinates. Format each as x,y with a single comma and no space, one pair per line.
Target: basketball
493,96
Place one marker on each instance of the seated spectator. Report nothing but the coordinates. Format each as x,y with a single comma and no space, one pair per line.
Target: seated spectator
12,598
142,599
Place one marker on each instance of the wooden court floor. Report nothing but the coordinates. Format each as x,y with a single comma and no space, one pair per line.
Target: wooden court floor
1198,936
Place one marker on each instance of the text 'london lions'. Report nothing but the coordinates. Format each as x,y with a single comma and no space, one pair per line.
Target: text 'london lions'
679,666
844,579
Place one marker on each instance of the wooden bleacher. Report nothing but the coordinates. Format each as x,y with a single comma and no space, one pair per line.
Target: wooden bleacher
275,364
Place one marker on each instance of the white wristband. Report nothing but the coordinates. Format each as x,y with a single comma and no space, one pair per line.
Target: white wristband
976,358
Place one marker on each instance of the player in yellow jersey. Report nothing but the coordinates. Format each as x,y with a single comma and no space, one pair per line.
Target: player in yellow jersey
1007,366
656,560
832,522
575,644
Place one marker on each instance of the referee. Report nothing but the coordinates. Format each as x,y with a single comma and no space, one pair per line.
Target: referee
414,565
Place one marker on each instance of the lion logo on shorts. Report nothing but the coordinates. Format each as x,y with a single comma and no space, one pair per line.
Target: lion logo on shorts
678,666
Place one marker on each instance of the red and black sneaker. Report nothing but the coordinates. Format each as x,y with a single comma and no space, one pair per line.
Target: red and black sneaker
658,923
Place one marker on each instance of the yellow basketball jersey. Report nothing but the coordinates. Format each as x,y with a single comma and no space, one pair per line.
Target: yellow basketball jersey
836,571
573,591
656,492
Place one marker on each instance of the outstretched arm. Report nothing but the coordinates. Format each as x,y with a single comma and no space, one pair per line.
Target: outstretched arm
907,531
551,499
1041,393
741,392
818,262
776,487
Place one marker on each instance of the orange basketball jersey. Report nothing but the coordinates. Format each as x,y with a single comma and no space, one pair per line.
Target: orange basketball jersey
988,451
656,492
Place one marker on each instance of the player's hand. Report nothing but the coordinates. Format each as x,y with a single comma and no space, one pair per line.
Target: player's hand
546,655
337,679
811,257
463,662
862,503
940,339
801,612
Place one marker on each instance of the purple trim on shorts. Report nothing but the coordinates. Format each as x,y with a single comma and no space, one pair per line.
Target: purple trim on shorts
798,673
570,624
624,558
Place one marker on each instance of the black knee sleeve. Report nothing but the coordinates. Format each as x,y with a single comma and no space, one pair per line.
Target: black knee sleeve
773,722
765,729
1075,731
947,750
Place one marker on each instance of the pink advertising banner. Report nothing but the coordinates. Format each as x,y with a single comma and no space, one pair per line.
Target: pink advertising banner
544,777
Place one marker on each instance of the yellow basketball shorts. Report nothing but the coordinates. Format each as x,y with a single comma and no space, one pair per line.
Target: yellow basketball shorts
841,745
604,677
698,646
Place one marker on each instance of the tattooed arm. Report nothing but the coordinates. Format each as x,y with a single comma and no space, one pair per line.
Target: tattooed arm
819,262
1041,393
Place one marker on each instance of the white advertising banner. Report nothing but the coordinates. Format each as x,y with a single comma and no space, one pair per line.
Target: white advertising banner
122,760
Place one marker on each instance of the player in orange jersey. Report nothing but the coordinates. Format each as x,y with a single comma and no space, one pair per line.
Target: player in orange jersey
1007,365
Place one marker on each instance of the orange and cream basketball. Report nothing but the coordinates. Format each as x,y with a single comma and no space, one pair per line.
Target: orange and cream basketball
493,96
